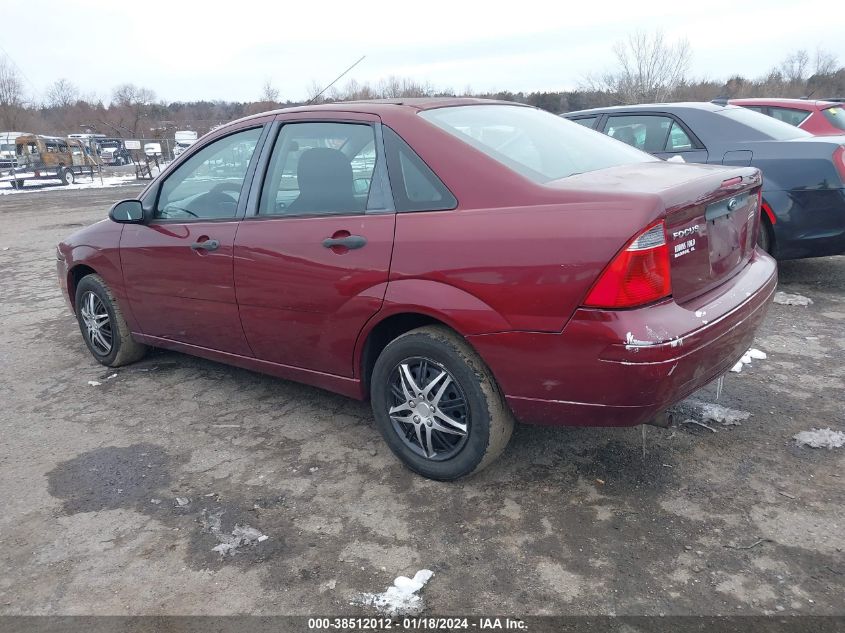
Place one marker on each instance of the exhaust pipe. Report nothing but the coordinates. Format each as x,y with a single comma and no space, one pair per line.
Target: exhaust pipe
662,420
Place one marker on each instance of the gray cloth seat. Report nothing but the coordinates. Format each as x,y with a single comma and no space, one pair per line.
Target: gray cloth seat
325,183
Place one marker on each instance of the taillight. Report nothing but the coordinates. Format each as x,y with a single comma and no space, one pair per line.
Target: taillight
839,161
639,274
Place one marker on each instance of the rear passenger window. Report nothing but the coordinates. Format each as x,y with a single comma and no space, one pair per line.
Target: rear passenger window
320,169
415,187
789,115
678,140
646,132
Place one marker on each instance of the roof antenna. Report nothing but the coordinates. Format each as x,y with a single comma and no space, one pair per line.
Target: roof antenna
338,78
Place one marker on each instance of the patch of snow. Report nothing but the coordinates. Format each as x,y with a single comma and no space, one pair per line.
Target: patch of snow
241,535
401,597
94,383
35,186
718,413
820,438
787,299
747,358
229,543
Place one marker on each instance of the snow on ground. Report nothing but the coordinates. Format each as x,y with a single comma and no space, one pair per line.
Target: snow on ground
401,597
787,299
820,438
752,354
35,186
241,535
718,413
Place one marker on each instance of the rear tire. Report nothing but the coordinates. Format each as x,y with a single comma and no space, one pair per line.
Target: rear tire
67,176
765,239
458,423
102,324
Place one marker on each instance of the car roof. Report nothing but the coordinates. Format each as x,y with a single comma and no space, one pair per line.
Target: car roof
801,104
379,106
654,107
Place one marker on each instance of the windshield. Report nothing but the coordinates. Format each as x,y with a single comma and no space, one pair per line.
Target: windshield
536,144
769,127
836,116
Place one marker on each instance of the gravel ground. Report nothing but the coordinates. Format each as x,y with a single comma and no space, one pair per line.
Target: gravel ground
115,495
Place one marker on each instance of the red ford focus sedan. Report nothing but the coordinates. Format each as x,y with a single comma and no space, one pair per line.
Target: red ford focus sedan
461,263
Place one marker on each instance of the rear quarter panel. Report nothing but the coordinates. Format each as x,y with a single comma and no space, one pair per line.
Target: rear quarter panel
513,268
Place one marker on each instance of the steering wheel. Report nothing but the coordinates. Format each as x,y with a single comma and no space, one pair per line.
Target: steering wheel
217,200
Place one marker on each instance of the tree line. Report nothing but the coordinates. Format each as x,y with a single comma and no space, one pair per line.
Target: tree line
647,68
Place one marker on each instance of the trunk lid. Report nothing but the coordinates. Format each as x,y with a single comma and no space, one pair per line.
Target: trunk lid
711,215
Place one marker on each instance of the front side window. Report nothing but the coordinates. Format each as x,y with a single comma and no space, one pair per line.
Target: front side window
536,144
320,169
208,185
789,115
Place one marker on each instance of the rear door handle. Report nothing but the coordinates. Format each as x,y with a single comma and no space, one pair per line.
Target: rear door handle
207,245
350,241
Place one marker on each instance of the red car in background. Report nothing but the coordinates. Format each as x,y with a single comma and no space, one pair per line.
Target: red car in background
822,118
460,263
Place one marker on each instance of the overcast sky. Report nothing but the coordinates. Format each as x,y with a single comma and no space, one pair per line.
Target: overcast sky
191,49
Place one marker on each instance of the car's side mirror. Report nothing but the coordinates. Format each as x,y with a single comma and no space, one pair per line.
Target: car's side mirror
127,212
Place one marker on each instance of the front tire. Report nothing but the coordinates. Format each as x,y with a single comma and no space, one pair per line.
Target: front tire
437,405
68,177
102,324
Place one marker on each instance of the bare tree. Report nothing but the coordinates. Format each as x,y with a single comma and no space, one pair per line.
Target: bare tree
62,94
649,68
825,62
795,68
269,94
312,91
11,95
130,104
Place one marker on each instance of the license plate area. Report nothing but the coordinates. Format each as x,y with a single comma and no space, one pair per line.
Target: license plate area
729,224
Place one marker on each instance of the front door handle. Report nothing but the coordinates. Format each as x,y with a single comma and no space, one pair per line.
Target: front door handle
350,242
207,245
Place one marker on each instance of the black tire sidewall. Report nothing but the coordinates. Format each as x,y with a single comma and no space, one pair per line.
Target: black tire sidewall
764,241
89,284
67,176
427,346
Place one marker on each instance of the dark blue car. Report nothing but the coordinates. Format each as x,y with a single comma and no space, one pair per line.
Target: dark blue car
803,175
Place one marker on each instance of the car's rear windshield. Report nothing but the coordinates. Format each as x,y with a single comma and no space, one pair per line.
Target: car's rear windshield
836,116
766,126
534,143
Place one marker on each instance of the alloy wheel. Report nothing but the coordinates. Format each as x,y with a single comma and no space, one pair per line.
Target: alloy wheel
429,409
95,318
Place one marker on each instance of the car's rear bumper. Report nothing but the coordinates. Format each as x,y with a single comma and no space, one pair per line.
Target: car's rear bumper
622,368
808,223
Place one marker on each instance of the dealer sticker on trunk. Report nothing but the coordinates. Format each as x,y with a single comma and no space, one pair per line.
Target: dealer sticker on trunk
686,246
